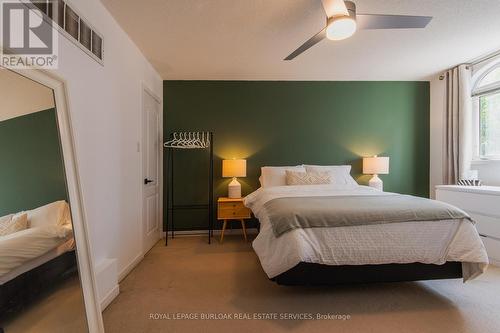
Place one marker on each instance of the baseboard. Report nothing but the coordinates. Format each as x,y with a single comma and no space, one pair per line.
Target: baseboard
110,296
106,279
124,272
251,231
494,262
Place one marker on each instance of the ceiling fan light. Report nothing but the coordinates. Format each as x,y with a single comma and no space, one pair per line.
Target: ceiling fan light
341,28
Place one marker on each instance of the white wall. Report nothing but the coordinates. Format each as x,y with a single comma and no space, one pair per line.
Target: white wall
437,107
21,96
105,106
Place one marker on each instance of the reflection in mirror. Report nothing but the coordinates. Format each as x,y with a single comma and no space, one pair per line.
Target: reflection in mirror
40,289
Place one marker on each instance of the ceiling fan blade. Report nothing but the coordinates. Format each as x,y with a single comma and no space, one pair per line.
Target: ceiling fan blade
369,21
335,7
309,43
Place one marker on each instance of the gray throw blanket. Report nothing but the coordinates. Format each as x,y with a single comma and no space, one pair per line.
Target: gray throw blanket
286,214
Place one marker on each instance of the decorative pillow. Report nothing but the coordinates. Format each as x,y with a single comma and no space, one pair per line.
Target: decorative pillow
6,218
469,182
276,176
50,214
307,178
340,174
66,217
17,223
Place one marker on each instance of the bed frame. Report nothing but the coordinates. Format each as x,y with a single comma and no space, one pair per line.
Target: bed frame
20,292
317,274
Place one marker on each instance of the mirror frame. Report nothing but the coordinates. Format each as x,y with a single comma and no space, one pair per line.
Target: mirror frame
84,255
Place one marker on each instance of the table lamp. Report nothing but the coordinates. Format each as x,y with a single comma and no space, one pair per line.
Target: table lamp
376,166
234,168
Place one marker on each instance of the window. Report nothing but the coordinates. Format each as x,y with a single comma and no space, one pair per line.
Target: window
96,44
75,27
487,93
489,126
490,78
85,35
41,5
71,24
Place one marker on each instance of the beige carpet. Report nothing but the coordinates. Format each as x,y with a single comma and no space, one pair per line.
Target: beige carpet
194,278
60,311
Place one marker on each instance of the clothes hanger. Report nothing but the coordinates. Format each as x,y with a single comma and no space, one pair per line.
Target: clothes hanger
208,140
199,143
202,141
171,142
188,140
183,141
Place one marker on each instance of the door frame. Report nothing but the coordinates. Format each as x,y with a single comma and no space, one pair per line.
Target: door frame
146,90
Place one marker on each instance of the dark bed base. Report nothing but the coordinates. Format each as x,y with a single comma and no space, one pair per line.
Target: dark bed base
17,294
317,274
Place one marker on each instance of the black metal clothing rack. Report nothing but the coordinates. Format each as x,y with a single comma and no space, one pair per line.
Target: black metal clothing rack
200,141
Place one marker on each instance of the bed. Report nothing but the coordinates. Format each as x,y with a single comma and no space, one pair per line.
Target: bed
33,259
30,248
368,252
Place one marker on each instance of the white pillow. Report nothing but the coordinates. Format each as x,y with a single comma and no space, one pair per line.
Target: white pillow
276,176
6,218
16,223
51,214
340,174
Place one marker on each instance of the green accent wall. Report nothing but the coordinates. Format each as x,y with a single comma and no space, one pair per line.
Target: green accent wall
295,122
31,167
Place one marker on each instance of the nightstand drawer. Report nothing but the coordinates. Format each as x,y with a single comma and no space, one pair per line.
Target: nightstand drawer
235,205
232,210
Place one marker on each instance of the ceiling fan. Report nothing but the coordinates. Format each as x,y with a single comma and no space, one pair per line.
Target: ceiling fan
342,21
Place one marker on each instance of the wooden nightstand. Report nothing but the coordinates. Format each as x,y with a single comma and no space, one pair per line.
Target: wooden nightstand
232,209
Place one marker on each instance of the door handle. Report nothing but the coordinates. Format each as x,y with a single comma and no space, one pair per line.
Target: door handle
147,181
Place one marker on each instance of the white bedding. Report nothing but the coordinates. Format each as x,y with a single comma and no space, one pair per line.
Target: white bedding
22,247
431,242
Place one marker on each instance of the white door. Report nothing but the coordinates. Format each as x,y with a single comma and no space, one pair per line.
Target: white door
151,153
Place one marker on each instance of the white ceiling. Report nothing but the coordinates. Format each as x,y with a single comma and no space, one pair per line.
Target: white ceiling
247,39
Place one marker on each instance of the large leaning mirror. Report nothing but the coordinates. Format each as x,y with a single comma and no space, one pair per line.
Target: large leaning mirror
41,282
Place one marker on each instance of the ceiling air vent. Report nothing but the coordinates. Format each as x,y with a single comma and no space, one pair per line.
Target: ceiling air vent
73,26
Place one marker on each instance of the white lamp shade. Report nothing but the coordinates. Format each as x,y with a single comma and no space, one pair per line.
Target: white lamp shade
234,168
375,165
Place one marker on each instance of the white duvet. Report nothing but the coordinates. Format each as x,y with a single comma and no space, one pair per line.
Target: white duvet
23,246
432,242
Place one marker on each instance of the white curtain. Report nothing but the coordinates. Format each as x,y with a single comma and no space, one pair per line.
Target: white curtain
458,125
